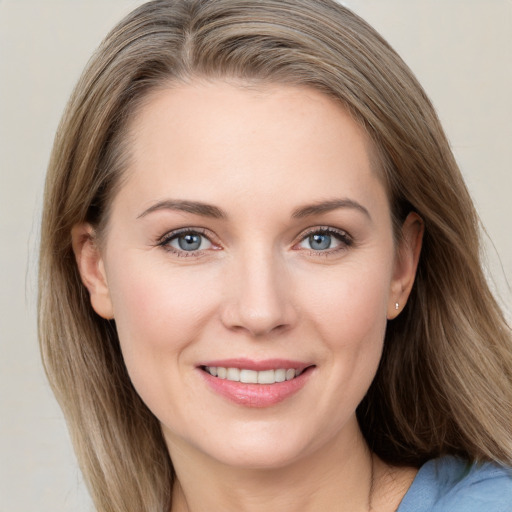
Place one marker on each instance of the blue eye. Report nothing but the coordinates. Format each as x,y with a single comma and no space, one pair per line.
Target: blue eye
325,240
320,241
189,241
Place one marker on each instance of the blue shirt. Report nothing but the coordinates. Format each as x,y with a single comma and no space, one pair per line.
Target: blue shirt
449,484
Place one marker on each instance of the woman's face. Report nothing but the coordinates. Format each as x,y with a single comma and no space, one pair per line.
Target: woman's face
252,240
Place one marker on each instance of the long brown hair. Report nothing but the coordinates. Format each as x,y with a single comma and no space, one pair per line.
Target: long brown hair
444,385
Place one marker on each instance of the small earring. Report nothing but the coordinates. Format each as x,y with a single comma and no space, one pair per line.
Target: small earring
396,306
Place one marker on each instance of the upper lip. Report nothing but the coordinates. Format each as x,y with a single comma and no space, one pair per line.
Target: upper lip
261,365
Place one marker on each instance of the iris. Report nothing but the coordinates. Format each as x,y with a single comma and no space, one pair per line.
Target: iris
190,242
320,241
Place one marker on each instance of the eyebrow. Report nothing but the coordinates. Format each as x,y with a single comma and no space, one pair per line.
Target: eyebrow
195,207
328,206
208,210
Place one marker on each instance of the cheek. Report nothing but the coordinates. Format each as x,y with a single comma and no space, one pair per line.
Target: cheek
151,297
159,310
348,310
350,303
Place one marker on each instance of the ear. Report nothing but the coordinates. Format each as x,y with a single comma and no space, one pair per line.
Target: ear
406,263
92,269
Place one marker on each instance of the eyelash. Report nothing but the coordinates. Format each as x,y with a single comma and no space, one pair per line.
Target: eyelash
166,239
343,237
346,241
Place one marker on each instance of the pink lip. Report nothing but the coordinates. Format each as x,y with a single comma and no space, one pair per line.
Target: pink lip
257,395
249,364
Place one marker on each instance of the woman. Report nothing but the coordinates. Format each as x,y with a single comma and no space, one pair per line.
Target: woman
260,284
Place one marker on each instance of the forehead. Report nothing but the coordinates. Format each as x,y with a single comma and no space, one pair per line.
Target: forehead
216,139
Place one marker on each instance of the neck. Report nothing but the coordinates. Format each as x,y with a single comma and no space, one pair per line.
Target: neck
338,476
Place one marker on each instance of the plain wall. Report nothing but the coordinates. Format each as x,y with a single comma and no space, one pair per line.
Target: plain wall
461,50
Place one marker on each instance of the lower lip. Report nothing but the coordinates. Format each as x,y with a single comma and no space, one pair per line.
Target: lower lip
256,395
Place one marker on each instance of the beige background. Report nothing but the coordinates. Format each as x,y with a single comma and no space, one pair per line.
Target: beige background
461,51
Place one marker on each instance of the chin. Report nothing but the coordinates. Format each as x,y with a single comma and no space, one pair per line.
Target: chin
262,449
259,457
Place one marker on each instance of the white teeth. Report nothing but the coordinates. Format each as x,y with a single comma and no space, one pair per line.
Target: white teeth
249,376
252,376
233,374
290,374
266,377
280,375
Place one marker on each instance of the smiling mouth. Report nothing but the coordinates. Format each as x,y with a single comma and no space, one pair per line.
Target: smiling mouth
252,376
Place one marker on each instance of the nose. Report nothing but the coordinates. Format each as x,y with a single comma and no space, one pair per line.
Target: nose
259,298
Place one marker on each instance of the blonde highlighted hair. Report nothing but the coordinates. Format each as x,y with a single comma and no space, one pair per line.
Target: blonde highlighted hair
444,385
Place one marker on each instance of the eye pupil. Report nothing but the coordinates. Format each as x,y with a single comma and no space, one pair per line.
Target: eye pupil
189,242
320,241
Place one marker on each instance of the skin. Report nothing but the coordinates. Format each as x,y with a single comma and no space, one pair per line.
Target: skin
256,288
